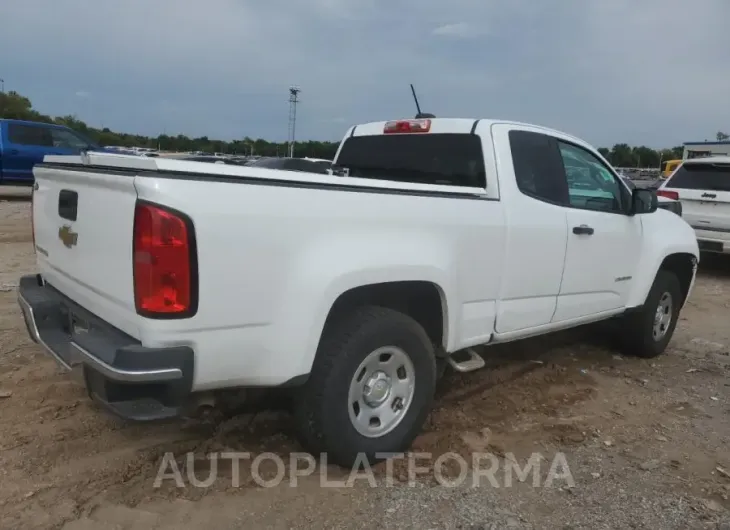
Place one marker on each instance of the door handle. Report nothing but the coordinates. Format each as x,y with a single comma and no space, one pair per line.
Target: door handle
583,230
14,152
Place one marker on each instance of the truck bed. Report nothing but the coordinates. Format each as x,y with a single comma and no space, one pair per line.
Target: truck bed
258,233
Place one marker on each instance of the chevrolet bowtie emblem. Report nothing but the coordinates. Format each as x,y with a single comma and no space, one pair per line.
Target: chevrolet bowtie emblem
67,236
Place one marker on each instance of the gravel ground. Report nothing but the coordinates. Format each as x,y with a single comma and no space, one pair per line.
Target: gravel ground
644,442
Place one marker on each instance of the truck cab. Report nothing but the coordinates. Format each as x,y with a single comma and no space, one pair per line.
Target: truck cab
23,144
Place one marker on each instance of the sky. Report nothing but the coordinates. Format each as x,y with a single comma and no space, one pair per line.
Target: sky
651,72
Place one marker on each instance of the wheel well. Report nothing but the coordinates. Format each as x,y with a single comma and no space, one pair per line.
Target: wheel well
422,301
682,265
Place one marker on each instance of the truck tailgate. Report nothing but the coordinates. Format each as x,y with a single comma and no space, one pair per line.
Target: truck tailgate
83,226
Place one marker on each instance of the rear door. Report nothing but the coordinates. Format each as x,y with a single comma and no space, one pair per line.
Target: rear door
534,255
83,222
24,145
704,190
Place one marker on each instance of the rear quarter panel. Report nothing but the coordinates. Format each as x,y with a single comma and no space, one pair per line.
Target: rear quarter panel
273,259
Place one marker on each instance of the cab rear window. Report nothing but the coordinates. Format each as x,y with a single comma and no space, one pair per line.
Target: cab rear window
701,177
446,159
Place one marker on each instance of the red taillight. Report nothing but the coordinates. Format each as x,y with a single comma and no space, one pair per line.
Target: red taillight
165,272
407,126
668,194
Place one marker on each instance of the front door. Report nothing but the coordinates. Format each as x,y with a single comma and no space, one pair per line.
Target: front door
604,242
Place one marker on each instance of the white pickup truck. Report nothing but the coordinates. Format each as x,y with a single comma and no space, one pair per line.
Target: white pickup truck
162,281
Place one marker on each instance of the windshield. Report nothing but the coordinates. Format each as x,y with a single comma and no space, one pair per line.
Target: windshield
714,177
450,159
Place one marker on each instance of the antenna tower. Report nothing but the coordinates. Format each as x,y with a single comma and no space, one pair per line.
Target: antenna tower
293,100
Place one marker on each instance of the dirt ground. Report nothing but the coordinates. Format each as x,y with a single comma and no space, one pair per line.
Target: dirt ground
647,442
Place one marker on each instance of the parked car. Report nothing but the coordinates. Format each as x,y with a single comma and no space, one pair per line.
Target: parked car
702,186
23,144
311,165
352,293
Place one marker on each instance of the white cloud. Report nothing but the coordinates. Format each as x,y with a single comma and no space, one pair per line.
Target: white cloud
460,30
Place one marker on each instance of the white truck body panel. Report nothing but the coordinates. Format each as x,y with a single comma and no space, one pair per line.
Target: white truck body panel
276,249
296,249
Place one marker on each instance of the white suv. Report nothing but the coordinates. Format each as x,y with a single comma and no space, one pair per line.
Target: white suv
703,187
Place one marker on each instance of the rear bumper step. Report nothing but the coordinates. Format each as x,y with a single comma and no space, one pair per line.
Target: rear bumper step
128,379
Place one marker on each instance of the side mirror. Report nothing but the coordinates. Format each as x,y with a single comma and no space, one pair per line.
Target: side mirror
643,201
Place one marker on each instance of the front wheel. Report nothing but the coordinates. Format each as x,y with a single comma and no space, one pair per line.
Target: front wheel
371,387
649,330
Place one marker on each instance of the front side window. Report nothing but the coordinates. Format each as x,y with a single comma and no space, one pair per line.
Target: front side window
591,185
67,140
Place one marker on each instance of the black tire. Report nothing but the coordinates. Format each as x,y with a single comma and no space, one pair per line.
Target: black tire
322,408
638,334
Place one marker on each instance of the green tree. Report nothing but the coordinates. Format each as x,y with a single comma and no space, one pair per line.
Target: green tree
646,156
16,106
622,155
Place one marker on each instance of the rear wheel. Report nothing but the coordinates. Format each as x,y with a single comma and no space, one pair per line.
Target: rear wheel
370,389
649,330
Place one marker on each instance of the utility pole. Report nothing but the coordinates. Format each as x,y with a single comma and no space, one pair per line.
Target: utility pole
2,86
293,100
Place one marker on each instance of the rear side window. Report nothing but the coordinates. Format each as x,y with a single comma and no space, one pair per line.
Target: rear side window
701,177
425,158
538,166
29,135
